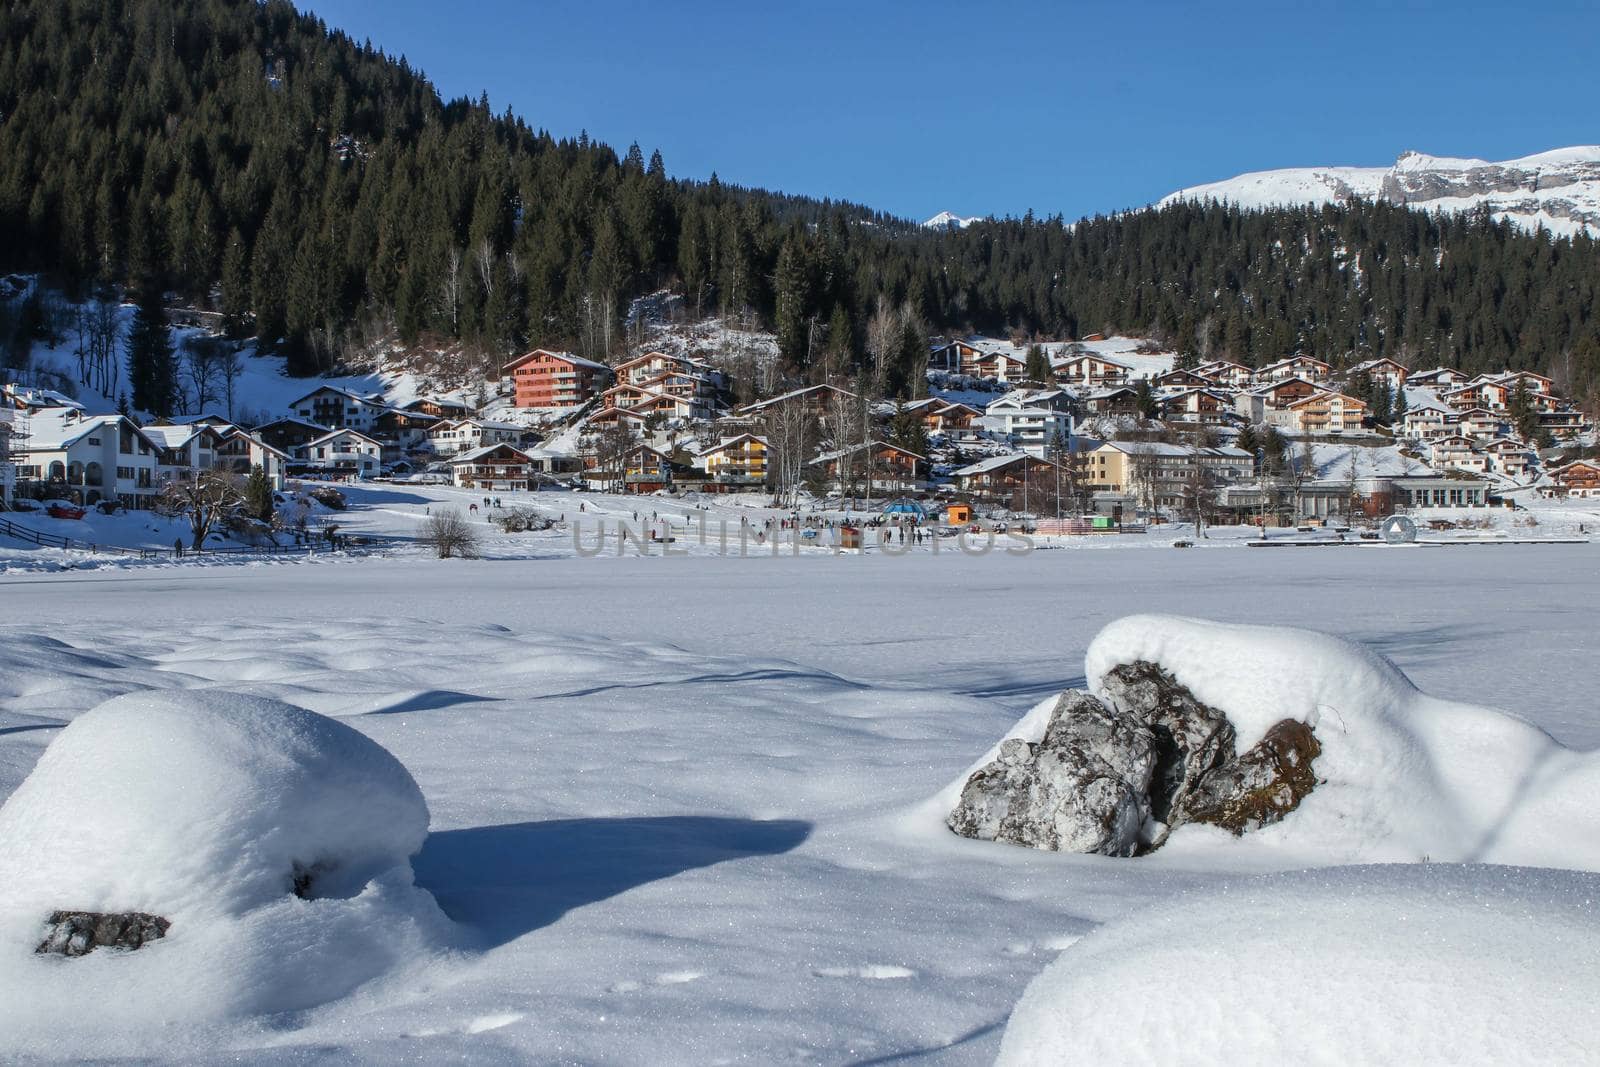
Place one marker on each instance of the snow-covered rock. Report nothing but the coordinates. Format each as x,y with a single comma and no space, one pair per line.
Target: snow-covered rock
1116,776
1082,788
1399,775
1400,964
1558,190
273,840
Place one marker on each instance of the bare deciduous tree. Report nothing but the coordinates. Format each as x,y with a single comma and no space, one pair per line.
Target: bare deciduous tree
449,534
205,500
791,433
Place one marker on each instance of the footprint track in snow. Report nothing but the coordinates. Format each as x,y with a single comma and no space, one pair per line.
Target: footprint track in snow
873,971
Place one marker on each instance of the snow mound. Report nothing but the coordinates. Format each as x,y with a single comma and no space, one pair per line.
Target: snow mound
1413,964
275,840
1402,776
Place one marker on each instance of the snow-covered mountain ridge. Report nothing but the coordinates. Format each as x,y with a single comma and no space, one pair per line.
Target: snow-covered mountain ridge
1558,190
949,220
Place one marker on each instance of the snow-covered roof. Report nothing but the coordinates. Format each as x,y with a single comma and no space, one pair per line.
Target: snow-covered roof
56,428
994,463
565,357
478,453
169,436
341,433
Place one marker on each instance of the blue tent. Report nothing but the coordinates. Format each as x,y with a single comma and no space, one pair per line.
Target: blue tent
906,508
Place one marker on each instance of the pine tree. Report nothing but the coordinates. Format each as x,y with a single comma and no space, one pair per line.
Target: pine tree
152,360
1036,366
258,495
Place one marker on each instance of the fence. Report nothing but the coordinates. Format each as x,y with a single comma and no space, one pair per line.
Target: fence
47,540
1052,527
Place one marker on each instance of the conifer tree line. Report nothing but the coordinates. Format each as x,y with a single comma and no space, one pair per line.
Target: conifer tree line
320,194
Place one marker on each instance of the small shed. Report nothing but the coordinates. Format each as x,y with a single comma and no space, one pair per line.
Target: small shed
850,537
958,514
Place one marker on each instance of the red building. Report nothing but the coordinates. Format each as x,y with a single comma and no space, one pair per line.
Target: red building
556,379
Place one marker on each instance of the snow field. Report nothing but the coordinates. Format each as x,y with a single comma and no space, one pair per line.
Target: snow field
218,812
1401,964
674,803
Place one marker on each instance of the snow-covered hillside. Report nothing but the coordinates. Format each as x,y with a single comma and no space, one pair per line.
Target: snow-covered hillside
1558,190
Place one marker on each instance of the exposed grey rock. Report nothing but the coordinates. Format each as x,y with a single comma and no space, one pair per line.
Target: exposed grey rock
1118,779
1079,789
78,933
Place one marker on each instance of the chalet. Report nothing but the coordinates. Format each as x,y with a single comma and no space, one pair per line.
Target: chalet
816,398
1001,365
734,463
1294,367
641,469
1033,420
403,432
88,458
1580,478
338,408
943,416
1286,392
1511,458
498,467
1226,372
1563,423
1205,407
1183,379
1425,421
1328,413
1383,369
615,416
1440,378
878,464
1119,400
1537,384
347,453
183,451
1457,452
289,435
440,407
545,379
953,356
240,451
448,438
1480,422
1002,476
1478,394
19,398
625,395
1088,369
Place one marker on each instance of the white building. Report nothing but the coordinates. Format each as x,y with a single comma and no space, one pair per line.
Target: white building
338,408
344,452
464,435
88,458
1034,421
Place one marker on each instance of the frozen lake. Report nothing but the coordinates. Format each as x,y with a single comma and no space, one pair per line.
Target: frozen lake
668,796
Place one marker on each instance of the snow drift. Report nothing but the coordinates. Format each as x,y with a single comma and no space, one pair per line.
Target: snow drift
1402,776
1399,964
275,841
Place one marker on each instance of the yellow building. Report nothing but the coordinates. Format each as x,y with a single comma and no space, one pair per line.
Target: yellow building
737,461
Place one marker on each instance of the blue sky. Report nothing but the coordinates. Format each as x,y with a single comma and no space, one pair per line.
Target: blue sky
978,108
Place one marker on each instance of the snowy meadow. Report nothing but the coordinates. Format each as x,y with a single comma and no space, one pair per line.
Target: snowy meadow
691,810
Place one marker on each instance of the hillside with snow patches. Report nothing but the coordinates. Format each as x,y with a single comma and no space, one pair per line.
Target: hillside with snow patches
1558,190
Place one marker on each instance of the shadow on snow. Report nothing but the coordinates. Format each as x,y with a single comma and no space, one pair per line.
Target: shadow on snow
508,880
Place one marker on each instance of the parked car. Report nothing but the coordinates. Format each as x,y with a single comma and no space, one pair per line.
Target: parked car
64,511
